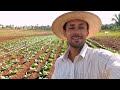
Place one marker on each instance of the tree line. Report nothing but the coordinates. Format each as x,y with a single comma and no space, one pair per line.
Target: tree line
30,27
114,26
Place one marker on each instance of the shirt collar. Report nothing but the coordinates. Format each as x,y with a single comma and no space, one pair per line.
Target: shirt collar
84,50
82,53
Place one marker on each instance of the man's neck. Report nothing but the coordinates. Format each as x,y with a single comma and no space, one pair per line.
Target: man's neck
74,52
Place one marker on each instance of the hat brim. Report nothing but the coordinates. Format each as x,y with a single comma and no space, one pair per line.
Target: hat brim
93,21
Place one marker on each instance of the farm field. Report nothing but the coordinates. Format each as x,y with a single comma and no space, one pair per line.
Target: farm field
12,34
108,39
30,57
32,54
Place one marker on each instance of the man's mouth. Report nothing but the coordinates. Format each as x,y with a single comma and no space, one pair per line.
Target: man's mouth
77,38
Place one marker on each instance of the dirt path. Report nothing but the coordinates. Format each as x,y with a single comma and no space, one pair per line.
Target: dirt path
13,34
111,42
2,39
5,38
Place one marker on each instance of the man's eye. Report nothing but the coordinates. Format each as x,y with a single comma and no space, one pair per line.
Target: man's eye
81,27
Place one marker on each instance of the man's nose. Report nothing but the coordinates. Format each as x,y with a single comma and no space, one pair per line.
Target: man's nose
76,31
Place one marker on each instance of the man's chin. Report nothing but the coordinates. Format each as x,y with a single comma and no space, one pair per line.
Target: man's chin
77,42
76,45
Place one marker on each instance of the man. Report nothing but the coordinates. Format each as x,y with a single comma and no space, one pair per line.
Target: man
79,60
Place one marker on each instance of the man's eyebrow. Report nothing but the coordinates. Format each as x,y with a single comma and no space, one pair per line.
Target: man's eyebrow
80,24
72,24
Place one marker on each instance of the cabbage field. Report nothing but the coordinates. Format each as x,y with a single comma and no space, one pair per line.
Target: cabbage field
34,57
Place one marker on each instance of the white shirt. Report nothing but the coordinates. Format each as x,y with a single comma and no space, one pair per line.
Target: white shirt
89,64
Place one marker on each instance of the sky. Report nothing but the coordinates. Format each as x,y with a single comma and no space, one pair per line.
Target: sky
22,18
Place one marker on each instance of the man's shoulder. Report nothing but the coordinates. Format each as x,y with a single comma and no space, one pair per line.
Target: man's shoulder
105,52
59,59
101,51
103,55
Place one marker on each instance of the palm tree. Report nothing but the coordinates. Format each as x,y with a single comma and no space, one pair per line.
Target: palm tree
116,19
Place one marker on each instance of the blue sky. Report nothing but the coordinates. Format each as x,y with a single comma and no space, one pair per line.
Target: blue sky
21,18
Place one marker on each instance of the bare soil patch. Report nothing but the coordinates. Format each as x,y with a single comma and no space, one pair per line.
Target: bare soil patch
13,34
107,41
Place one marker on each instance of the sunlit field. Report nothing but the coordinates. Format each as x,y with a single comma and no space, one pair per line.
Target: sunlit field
31,54
108,33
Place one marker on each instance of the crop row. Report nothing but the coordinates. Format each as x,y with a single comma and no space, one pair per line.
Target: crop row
95,44
33,61
33,57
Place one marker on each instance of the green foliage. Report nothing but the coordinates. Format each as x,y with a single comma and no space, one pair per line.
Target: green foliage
95,44
116,19
5,77
34,65
109,33
114,26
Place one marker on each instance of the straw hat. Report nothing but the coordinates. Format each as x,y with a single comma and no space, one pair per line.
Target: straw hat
93,21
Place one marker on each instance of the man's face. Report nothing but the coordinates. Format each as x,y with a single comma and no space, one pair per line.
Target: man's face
76,33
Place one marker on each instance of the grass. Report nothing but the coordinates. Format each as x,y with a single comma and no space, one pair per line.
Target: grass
108,33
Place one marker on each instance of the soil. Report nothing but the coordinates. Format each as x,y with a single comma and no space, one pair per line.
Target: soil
111,42
5,38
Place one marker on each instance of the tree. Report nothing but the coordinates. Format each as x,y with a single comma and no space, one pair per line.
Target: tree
116,19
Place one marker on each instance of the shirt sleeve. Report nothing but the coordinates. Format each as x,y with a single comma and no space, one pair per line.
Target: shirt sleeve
113,66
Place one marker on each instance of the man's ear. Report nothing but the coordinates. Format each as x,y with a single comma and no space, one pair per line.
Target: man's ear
88,33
